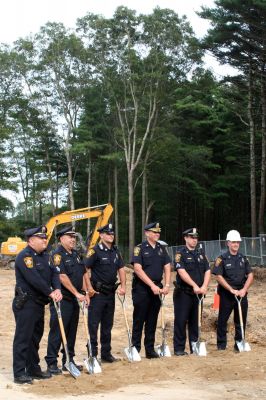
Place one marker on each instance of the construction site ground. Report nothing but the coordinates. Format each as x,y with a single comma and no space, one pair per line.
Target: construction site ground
219,375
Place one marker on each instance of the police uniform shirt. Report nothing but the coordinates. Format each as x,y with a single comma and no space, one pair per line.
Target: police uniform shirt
151,259
194,262
104,263
34,274
71,265
233,268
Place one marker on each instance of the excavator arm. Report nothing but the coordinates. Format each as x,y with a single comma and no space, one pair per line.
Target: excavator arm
102,212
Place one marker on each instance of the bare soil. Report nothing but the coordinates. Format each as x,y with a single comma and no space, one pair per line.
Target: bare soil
220,375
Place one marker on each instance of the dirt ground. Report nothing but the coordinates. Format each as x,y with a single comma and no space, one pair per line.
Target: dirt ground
220,375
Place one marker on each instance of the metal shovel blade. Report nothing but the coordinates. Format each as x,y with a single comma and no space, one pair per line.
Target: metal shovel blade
72,369
132,354
163,350
92,365
243,346
199,348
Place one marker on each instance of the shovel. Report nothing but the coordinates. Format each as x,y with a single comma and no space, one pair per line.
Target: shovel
91,363
242,344
130,351
72,369
198,347
163,350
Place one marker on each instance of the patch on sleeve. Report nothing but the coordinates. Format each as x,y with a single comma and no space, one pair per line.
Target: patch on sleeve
136,251
218,261
90,253
29,262
177,257
57,259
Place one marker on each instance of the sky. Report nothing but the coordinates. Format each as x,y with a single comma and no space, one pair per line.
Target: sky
20,18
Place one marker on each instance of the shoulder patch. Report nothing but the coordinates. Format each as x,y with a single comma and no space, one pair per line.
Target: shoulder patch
136,251
218,261
57,259
90,253
29,262
177,257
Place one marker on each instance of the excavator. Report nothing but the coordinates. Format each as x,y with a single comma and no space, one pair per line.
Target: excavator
14,245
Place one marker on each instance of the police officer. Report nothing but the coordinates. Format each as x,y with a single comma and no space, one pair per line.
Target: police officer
104,262
74,278
234,276
192,280
150,261
36,282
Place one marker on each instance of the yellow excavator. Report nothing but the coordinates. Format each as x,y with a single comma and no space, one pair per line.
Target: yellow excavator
14,245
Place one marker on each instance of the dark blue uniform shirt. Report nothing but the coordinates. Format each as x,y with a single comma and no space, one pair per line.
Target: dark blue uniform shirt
233,268
194,262
34,274
104,263
71,265
151,259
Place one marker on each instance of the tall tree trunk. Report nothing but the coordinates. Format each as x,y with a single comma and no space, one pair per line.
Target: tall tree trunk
89,193
252,155
131,229
143,201
70,179
116,204
263,153
51,183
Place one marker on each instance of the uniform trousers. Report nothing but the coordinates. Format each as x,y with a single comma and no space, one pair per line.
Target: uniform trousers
146,309
28,334
70,317
228,303
101,312
185,313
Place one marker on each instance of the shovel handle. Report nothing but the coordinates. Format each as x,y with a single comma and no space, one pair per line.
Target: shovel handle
239,300
122,300
60,321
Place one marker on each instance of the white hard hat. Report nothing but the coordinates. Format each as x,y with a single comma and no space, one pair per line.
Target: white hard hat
233,236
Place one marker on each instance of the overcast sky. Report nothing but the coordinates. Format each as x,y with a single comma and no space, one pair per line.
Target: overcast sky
18,18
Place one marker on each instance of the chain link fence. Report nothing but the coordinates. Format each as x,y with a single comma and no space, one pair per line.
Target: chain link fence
253,248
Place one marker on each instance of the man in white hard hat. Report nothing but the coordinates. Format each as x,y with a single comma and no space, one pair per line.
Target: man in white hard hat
234,276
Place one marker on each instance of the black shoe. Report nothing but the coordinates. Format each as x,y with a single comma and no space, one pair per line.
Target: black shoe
221,348
23,379
39,374
109,358
79,367
180,353
54,370
152,354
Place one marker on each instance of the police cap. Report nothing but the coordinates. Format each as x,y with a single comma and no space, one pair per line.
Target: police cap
153,227
193,232
68,230
108,228
40,231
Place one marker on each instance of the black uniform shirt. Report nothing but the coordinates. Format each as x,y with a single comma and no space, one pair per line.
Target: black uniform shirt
34,274
234,269
71,265
151,259
194,262
104,263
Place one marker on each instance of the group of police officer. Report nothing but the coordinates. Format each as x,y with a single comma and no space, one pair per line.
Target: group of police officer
64,278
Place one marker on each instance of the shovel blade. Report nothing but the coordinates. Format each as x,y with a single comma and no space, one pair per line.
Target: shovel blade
92,365
132,354
163,350
72,369
243,346
199,348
